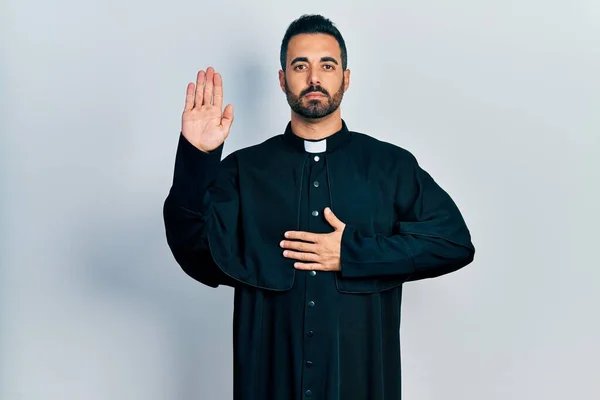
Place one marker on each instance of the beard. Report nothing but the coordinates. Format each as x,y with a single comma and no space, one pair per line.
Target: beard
314,108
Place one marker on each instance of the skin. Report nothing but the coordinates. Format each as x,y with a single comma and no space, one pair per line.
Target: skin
314,61
316,251
204,123
314,65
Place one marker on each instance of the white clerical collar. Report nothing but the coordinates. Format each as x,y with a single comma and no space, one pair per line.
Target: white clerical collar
315,147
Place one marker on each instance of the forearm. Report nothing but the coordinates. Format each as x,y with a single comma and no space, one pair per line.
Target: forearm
404,255
186,207
195,171
186,211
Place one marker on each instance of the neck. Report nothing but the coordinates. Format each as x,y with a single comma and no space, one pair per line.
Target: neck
316,129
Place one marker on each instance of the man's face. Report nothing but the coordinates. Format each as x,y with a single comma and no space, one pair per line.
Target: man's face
314,81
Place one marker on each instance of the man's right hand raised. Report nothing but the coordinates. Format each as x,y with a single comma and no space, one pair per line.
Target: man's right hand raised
204,123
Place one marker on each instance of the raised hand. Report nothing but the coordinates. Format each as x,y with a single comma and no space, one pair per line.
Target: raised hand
204,123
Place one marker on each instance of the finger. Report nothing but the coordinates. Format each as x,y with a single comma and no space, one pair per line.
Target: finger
208,87
309,266
305,236
297,255
200,81
218,91
300,246
332,219
227,119
189,97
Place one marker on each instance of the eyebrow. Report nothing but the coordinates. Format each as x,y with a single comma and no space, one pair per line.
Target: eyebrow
305,59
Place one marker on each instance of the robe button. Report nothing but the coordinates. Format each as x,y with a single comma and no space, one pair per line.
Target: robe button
311,303
310,333
316,183
313,273
309,364
315,213
308,393
317,158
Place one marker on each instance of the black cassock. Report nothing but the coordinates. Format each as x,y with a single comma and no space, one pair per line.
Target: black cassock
299,334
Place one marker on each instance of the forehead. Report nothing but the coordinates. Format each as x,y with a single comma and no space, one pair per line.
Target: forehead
313,46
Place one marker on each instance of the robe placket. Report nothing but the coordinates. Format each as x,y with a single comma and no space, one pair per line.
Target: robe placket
319,315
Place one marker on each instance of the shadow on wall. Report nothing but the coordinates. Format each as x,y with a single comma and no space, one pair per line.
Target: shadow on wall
128,259
4,249
5,220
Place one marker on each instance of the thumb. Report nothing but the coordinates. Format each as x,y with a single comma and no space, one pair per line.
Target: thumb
333,220
227,118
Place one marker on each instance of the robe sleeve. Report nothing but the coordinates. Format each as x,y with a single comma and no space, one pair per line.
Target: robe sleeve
430,237
186,209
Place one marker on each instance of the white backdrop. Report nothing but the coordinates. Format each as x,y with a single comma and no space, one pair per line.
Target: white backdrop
499,102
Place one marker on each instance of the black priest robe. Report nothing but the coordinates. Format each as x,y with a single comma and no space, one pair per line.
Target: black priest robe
312,334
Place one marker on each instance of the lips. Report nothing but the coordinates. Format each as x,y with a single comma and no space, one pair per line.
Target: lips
314,94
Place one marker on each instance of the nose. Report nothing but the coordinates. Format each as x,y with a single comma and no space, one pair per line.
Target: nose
313,78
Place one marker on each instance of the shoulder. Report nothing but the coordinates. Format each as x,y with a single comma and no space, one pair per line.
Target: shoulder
259,150
381,150
260,155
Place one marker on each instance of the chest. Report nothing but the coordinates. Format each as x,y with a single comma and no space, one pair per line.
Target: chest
293,195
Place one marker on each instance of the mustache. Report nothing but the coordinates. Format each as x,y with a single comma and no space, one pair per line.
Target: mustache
314,89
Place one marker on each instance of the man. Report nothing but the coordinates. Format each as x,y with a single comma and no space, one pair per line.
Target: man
316,229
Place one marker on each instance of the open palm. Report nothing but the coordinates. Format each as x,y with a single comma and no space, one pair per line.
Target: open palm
204,123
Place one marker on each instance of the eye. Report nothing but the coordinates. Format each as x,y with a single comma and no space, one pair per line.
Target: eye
328,66
297,67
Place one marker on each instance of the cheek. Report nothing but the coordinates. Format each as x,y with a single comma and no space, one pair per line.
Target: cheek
334,85
295,86
332,89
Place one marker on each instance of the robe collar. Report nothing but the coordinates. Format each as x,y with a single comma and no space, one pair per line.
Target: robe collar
326,145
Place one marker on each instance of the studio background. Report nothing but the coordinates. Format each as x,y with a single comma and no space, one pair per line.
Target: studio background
499,101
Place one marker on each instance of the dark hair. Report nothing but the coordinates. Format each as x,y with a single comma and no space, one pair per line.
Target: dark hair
312,23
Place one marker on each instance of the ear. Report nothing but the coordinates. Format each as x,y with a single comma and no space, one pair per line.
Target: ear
346,79
282,80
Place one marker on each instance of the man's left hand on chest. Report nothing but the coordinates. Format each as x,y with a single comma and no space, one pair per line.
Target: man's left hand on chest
316,251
